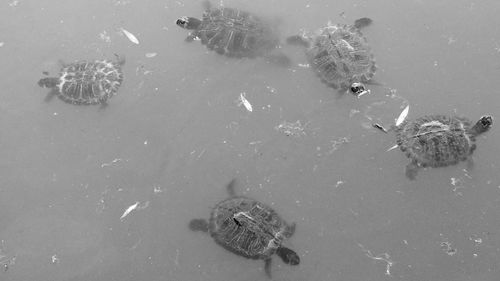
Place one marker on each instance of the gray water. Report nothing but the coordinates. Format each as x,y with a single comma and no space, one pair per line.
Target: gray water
176,134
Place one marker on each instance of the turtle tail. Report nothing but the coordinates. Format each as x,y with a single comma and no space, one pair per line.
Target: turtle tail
48,82
362,22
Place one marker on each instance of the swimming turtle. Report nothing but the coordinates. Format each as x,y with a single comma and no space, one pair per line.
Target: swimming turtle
234,33
437,140
249,229
340,55
86,82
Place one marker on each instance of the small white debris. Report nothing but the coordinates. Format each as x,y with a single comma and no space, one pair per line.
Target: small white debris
111,163
243,101
129,209
14,3
104,36
403,115
130,36
151,55
157,189
304,65
383,257
55,259
295,129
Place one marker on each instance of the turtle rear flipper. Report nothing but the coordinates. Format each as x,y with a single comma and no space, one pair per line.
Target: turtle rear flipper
288,256
297,40
362,22
412,170
198,225
230,188
279,59
50,95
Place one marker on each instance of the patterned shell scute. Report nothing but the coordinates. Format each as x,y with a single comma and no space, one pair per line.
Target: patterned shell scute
85,82
340,55
436,140
235,33
247,227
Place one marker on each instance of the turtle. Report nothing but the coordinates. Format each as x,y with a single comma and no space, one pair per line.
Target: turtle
248,228
86,82
235,33
437,140
340,55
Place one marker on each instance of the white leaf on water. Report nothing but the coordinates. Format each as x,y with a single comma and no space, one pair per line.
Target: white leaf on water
129,209
243,101
392,147
130,36
150,55
403,115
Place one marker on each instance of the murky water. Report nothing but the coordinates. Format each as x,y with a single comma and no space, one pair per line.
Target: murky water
106,194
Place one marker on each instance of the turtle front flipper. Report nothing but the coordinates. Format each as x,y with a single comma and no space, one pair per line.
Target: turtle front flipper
362,22
412,170
288,256
298,40
48,82
198,225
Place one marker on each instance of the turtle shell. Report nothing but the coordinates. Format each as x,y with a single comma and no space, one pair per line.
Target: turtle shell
340,55
94,82
436,140
235,33
247,227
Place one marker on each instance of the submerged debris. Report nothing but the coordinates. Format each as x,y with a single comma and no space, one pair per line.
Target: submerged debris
295,129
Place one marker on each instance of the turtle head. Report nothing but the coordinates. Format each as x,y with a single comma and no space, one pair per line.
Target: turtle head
288,256
482,125
48,82
188,22
358,89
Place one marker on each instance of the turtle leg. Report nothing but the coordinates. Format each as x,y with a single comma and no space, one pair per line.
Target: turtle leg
412,170
470,163
230,188
279,59
104,103
50,95
267,267
290,230
297,40
190,38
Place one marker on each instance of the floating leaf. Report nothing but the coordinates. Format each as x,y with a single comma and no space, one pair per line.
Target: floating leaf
130,36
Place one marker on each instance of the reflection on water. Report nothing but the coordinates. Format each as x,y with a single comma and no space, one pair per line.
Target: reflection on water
107,194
